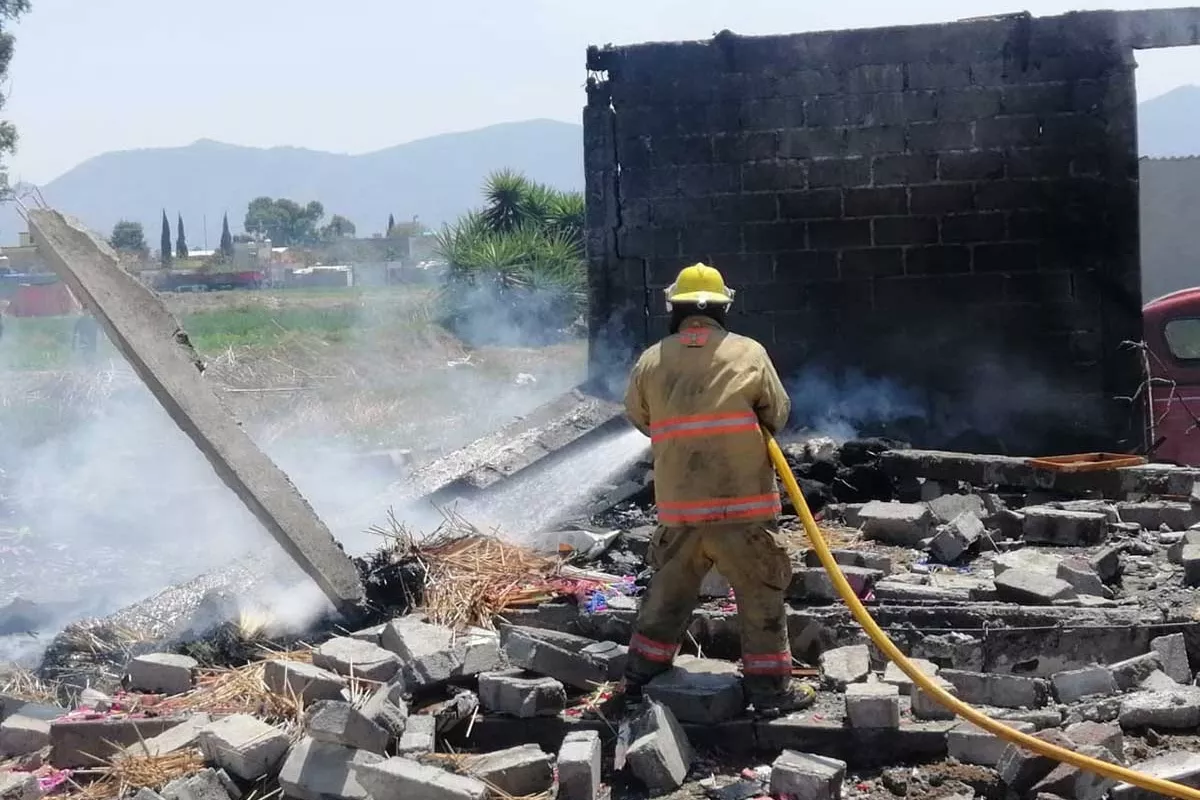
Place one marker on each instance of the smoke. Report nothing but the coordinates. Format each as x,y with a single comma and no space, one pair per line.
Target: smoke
1000,404
105,502
839,406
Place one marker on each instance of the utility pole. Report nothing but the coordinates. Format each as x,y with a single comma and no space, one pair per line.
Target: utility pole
205,231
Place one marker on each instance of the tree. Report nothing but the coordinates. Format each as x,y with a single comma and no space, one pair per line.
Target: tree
391,225
10,11
181,248
338,228
128,237
226,247
165,246
285,222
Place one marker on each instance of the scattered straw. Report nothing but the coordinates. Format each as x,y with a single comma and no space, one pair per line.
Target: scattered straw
23,684
154,771
471,576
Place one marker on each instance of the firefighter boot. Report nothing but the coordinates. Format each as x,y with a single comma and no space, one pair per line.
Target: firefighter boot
775,698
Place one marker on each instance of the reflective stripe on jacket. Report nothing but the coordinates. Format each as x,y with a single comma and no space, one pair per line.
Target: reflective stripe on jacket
701,395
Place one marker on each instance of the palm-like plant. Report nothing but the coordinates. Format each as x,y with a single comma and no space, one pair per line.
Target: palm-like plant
524,248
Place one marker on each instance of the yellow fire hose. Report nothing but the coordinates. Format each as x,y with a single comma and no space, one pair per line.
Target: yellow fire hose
949,701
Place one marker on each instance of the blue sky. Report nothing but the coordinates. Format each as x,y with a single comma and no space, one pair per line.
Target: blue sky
91,76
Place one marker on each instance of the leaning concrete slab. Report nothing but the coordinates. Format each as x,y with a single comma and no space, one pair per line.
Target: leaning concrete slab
550,431
159,351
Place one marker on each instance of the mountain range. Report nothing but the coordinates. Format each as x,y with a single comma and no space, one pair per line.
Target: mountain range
436,178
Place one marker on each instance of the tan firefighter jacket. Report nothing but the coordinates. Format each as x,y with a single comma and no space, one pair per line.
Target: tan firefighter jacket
700,395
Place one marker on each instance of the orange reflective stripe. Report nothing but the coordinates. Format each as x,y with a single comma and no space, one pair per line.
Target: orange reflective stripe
720,509
767,664
651,650
703,425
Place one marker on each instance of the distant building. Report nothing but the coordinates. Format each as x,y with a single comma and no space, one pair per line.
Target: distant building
25,256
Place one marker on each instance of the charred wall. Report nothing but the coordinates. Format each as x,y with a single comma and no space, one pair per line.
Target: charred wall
949,207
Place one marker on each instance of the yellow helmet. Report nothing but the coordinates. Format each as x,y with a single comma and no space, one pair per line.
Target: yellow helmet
699,284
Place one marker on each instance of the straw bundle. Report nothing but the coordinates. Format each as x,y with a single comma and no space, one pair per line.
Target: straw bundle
471,576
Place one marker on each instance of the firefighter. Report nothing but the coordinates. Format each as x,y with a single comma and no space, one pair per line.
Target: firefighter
701,395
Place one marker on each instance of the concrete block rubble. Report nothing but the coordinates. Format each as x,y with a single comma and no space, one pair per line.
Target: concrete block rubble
1062,604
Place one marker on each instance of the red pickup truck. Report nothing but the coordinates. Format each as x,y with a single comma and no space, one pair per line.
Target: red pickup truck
1171,331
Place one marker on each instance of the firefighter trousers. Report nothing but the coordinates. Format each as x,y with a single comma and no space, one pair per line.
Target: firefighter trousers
753,557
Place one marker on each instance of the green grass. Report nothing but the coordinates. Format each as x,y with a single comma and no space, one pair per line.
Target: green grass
213,331
239,320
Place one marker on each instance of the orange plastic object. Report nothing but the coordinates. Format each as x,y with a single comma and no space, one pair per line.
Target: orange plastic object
1088,462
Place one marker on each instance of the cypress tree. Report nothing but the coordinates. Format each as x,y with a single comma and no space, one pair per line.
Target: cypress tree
391,224
165,246
226,238
181,248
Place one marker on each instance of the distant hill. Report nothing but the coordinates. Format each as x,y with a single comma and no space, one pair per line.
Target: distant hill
436,178
1169,125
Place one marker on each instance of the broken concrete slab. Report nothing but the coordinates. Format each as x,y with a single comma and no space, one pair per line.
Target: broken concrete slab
1154,514
1020,769
173,739
894,675
814,584
1179,766
320,770
518,771
926,707
404,779
659,755
1178,709
853,558
1110,737
352,657
873,705
1158,681
1132,671
1071,686
1061,528
954,539
78,743
207,784
842,666
304,681
948,507
243,746
19,786
521,694
1067,780
901,524
1080,574
158,350
973,745
27,729
1189,559
387,709
420,736
162,673
579,766
340,723
808,776
431,654
1172,651
997,689
700,690
576,661
1032,588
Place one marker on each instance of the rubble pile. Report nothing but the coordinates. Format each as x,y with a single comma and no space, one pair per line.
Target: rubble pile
1061,603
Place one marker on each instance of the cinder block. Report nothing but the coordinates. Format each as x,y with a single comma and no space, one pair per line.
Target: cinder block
579,766
873,705
243,746
891,170
806,775
972,745
164,673
315,770
877,202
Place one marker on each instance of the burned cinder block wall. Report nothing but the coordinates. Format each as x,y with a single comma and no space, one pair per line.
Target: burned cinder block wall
949,209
